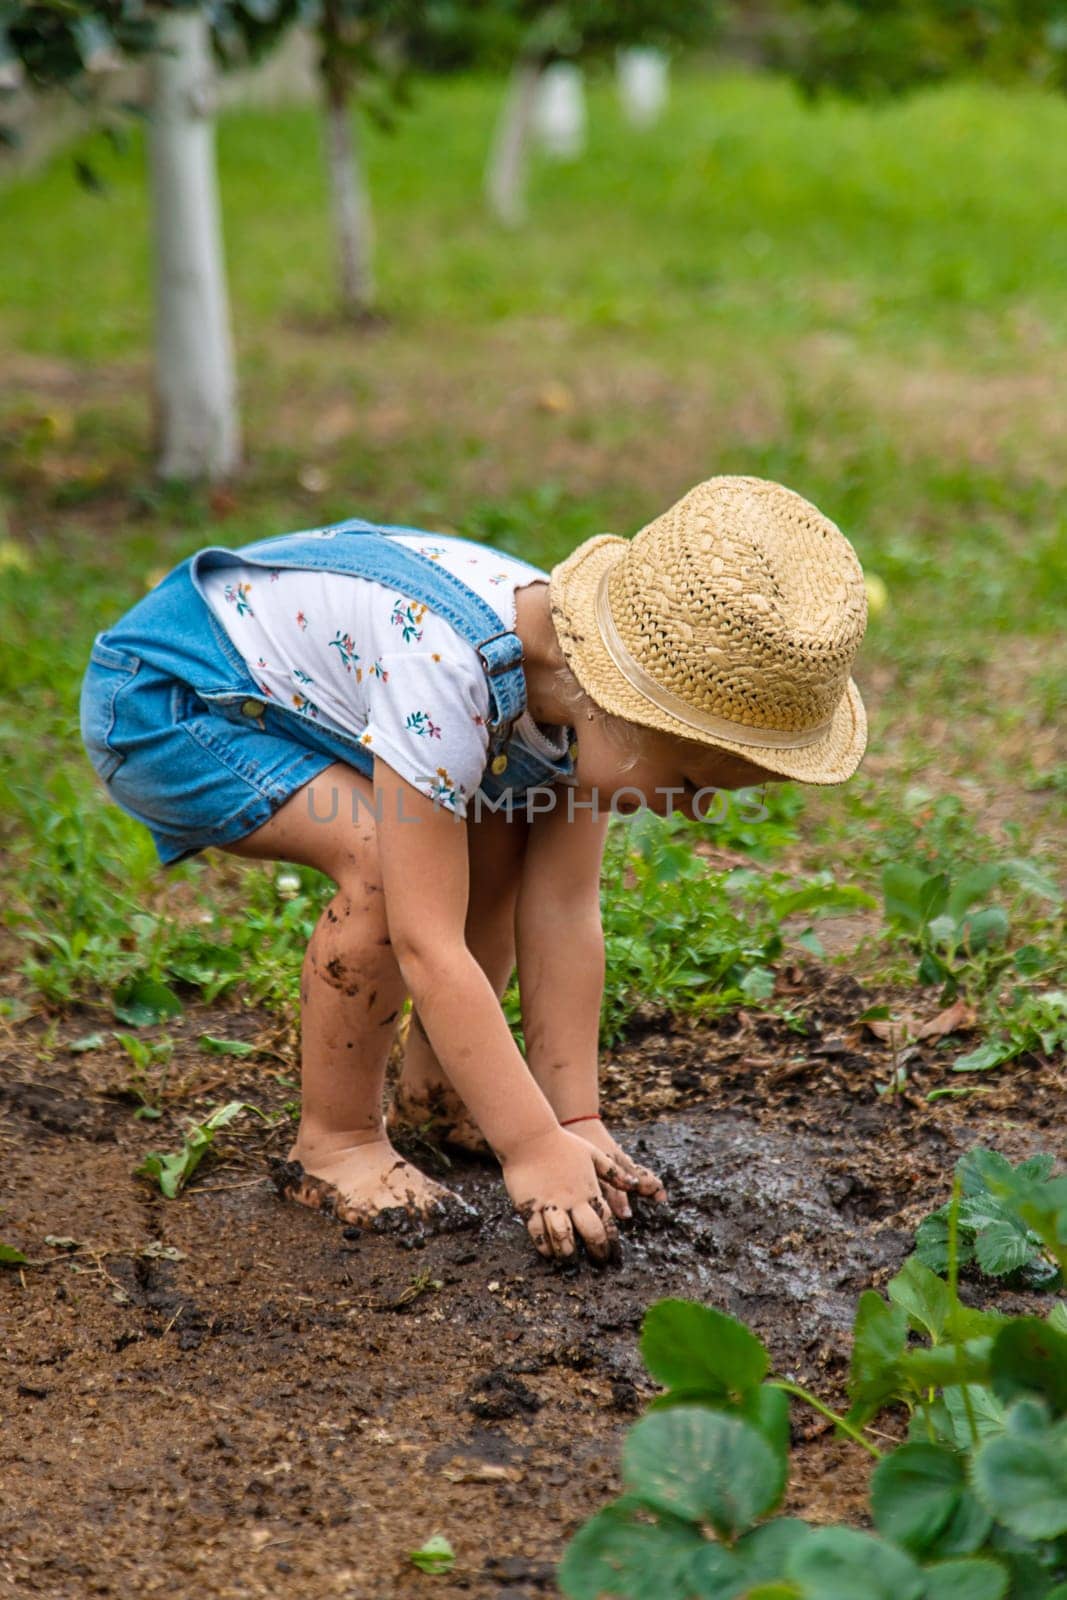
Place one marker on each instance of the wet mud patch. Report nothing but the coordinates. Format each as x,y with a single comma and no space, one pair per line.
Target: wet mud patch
231,1395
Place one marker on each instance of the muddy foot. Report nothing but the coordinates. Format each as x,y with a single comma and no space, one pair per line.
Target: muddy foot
372,1186
436,1114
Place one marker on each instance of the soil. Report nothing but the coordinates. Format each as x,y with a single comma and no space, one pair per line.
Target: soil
232,1396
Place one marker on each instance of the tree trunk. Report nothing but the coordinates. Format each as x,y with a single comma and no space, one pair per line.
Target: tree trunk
559,116
643,78
199,433
505,178
352,219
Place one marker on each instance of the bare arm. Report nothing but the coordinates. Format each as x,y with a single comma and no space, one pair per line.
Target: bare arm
560,945
553,1177
560,948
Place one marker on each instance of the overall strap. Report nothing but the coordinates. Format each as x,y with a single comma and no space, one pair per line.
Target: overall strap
359,549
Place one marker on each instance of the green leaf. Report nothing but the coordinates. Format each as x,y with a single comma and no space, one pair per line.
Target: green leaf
703,1466
931,1242
172,1172
986,1409
714,1574
972,886
947,1364
841,1564
763,1552
621,1552
924,1296
1029,1357
980,930
933,896
879,1336
10,1257
902,891
690,1346
990,1053
143,1001
920,1500
1057,1317
225,1047
1022,1480
436,1555
1002,1246
966,1580
766,1408
88,1041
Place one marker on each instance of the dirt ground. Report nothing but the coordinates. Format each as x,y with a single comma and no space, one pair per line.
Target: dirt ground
278,1406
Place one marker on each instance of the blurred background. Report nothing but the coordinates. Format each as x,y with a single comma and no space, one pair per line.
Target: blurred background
528,272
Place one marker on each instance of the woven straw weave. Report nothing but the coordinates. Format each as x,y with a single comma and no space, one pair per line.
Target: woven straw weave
732,620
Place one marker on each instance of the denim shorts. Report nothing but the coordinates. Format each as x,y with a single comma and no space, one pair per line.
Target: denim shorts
205,765
193,774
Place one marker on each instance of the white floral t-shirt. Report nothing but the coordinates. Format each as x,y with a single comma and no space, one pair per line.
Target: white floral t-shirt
358,656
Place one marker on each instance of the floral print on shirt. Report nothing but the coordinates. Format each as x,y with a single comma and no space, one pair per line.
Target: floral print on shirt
442,789
407,615
345,646
237,595
314,641
305,706
422,723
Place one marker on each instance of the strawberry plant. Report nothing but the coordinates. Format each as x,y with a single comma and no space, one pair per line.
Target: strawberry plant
973,1506
995,1230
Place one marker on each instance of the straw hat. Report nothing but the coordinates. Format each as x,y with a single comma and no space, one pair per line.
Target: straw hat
731,621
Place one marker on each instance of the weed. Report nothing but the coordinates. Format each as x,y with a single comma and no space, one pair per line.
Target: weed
436,1555
146,1055
172,1172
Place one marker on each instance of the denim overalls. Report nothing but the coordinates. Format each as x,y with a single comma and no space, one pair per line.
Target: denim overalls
180,734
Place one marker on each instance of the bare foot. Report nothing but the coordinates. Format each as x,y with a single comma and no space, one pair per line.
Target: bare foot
437,1113
371,1186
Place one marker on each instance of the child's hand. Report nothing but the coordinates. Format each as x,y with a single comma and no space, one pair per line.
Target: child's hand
646,1183
556,1182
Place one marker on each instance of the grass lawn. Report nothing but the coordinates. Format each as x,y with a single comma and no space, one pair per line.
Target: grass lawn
869,304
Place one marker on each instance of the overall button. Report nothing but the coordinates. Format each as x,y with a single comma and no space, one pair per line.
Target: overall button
252,708
498,764
572,751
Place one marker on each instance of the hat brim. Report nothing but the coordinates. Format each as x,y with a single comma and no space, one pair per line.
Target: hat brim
573,585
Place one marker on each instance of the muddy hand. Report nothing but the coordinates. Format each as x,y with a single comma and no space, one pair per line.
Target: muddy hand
645,1182
556,1184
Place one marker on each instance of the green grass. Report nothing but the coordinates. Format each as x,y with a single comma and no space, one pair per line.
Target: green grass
869,304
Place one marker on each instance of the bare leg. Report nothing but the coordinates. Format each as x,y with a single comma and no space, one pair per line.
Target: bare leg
424,1098
351,993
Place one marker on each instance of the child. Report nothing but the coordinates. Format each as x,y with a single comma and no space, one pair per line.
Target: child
443,730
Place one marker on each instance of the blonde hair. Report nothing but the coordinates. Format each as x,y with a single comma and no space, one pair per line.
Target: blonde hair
626,736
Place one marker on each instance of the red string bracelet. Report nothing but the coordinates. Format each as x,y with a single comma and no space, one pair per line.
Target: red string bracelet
592,1116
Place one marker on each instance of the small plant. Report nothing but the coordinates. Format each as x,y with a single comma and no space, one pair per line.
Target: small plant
972,1507
1038,1024
948,919
146,1054
436,1555
994,1227
172,1172
691,939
